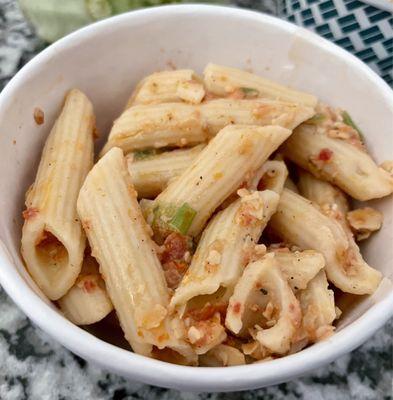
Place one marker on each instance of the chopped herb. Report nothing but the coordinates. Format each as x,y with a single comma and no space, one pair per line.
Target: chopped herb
250,92
349,121
143,154
264,291
182,219
316,119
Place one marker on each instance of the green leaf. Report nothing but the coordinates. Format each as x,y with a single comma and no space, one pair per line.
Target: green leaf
316,119
182,219
349,121
250,92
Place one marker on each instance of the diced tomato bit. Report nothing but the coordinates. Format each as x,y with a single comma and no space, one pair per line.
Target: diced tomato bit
174,271
89,286
237,307
237,94
208,311
175,246
30,212
325,155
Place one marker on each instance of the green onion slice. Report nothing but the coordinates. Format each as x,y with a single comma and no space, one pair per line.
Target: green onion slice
182,219
349,121
144,154
250,92
316,119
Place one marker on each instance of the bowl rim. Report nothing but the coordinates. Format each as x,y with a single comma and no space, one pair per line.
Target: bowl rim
160,373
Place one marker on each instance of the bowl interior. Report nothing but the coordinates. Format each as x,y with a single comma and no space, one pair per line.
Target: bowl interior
107,60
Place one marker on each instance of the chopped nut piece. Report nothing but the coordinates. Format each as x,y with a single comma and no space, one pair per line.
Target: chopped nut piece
364,221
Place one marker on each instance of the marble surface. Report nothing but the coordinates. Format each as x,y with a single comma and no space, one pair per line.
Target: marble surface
34,367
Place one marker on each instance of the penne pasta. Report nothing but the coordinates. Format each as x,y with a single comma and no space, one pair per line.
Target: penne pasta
299,267
224,81
120,241
289,184
169,87
226,245
272,176
330,199
87,302
338,161
151,175
157,126
318,308
222,112
53,242
179,125
237,151
263,299
222,356
299,222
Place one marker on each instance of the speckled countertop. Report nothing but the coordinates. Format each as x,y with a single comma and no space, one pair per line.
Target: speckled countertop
33,366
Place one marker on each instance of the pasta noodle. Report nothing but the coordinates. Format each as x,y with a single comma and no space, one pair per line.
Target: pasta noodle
216,173
120,242
299,222
272,176
222,356
318,308
330,199
169,87
299,267
87,302
224,81
226,244
339,162
151,175
263,287
179,125
52,238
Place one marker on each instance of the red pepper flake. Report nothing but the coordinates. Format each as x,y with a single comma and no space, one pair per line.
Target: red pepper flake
325,155
39,116
30,212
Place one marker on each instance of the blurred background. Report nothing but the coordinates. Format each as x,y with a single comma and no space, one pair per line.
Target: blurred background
362,27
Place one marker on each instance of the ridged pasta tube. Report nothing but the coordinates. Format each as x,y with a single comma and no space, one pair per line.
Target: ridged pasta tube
87,302
338,162
223,81
120,241
225,246
299,222
151,175
299,267
53,242
235,153
168,87
263,287
179,125
318,308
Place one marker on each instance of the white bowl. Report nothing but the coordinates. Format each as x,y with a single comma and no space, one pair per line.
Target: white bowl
106,60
